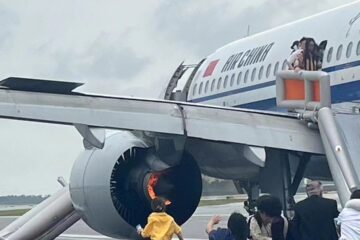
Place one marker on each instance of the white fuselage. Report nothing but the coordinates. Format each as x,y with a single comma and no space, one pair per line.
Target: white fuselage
243,73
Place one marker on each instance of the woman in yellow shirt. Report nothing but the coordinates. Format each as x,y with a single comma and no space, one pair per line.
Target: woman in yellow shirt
160,226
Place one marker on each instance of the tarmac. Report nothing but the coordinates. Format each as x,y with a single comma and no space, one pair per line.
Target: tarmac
193,229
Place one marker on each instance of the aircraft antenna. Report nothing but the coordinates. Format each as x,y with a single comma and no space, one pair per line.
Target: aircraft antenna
248,31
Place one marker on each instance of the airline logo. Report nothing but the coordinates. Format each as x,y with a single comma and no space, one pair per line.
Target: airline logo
248,57
210,68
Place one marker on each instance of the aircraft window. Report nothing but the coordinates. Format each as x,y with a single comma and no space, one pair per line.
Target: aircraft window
261,72
239,78
358,49
206,86
225,81
232,80
194,89
348,50
253,74
212,85
339,52
284,66
329,56
246,76
276,68
200,88
219,83
268,70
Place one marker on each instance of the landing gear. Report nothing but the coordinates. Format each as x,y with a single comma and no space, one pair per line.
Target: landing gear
253,191
276,177
288,198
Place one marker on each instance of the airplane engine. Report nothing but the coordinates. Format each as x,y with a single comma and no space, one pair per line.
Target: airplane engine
112,187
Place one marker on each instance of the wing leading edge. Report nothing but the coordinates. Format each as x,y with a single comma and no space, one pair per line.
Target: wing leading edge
248,127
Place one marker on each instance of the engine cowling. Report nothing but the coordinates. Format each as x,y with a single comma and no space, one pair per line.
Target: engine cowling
112,187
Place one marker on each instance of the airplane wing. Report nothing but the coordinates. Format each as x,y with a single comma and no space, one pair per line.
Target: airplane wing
56,102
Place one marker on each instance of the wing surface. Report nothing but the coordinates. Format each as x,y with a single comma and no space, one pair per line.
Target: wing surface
64,106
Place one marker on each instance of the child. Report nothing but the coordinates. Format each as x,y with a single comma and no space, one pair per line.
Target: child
160,226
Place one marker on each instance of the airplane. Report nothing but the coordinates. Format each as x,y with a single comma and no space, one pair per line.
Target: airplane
224,122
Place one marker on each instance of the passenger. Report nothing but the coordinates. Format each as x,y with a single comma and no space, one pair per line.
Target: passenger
319,54
296,51
237,228
160,226
299,61
314,216
310,58
349,218
296,59
302,43
267,223
295,46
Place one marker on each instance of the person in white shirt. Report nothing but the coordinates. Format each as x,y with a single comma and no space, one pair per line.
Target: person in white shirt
267,223
349,218
295,60
297,53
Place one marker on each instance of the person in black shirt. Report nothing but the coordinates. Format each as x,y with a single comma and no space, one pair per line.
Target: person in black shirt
314,216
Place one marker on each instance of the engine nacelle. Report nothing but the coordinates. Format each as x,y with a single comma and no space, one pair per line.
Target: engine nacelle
112,187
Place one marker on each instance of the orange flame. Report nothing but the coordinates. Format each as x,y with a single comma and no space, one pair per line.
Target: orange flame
150,187
151,184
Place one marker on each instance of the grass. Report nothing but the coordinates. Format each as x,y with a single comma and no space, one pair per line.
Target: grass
14,212
213,202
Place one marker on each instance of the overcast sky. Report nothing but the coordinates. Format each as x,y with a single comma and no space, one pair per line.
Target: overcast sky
115,47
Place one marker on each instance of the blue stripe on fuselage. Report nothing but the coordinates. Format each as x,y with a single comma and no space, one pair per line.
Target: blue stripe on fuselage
272,83
339,93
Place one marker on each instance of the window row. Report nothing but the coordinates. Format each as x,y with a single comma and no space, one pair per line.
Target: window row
249,75
349,50
224,83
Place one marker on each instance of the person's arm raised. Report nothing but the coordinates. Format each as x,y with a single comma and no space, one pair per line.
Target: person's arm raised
213,221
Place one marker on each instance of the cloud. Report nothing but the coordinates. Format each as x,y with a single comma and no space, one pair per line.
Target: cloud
102,60
33,155
116,47
8,23
204,26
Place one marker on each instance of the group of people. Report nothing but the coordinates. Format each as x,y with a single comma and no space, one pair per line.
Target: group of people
266,224
306,55
315,218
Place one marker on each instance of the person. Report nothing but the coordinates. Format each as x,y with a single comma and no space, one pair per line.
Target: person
267,223
237,228
302,42
160,225
297,52
319,54
295,46
349,218
314,216
296,59
310,59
